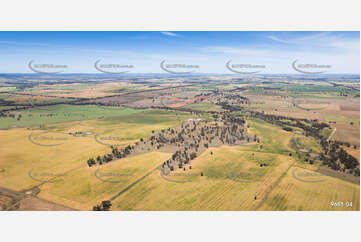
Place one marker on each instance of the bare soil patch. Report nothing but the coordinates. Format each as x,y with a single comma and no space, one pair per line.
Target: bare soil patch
188,101
350,107
340,175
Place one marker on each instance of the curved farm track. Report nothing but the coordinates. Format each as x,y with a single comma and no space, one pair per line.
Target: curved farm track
21,201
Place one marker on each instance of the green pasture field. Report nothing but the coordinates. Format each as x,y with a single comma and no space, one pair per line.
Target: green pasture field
61,113
204,106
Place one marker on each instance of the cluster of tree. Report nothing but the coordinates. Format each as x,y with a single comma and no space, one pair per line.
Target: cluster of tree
229,98
194,137
116,154
287,129
189,139
7,115
332,154
120,153
103,206
181,158
181,109
311,127
6,102
100,159
335,157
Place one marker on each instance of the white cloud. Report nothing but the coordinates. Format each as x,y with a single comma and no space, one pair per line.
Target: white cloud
169,33
336,42
278,59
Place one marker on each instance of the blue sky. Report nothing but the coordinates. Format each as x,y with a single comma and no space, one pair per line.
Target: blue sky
210,50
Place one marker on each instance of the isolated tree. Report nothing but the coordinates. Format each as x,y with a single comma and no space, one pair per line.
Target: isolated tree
91,162
106,205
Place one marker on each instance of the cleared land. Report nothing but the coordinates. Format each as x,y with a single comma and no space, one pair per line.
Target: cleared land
60,113
233,180
204,106
45,147
302,189
69,150
84,187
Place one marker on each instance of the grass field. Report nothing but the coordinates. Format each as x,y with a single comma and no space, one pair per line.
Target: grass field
326,132
293,194
348,133
342,119
204,106
22,153
232,178
220,188
341,110
61,113
85,90
48,147
83,188
308,143
273,138
7,89
20,156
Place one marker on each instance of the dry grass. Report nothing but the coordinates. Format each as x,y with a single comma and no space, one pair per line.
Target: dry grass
213,191
293,194
18,156
81,189
348,133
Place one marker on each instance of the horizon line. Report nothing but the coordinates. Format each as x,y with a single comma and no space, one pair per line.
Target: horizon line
158,73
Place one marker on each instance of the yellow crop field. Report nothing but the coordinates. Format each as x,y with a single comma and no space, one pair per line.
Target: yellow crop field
58,148
303,189
31,156
84,187
234,180
231,179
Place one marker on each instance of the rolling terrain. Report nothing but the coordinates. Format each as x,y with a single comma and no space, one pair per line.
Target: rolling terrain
280,160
